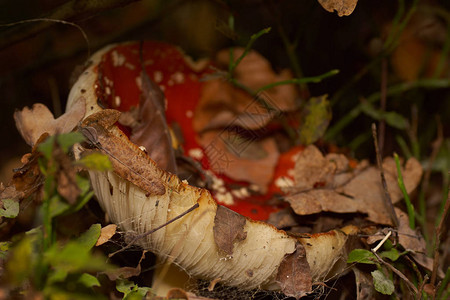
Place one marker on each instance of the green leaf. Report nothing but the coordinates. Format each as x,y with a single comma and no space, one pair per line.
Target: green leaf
124,286
59,207
316,116
57,276
96,161
67,140
382,284
392,254
11,208
64,140
90,237
19,264
46,148
4,248
75,255
88,280
361,256
131,290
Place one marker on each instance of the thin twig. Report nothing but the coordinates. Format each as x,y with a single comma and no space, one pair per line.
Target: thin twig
140,236
399,274
70,10
382,241
422,285
54,21
438,240
387,197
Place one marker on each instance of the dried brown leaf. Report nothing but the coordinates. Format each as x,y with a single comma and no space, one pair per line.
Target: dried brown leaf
322,189
32,123
106,233
228,228
27,179
128,161
222,104
65,175
150,129
413,241
364,285
125,272
342,7
294,275
312,168
241,158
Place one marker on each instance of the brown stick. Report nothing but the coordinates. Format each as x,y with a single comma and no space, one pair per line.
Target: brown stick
387,197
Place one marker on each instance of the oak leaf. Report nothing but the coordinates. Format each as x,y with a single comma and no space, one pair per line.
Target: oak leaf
342,7
32,123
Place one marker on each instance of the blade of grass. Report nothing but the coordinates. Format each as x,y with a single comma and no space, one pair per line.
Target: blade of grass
313,79
402,143
401,185
443,286
233,64
393,90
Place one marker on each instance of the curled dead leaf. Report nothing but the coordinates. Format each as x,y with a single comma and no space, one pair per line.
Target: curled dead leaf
32,123
222,104
342,7
106,233
125,272
294,275
127,159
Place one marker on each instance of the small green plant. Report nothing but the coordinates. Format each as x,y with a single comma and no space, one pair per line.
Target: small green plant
35,262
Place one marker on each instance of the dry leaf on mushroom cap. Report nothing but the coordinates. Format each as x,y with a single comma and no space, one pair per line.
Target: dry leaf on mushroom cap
248,160
222,103
325,189
240,120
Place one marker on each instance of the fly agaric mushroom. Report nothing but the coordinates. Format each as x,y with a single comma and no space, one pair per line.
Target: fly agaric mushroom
210,241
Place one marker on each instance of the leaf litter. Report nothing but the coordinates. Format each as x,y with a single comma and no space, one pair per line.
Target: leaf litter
327,183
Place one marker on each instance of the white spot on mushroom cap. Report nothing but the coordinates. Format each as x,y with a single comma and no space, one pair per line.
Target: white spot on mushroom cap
117,101
130,66
284,182
118,59
139,82
225,198
178,77
196,153
157,76
189,114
